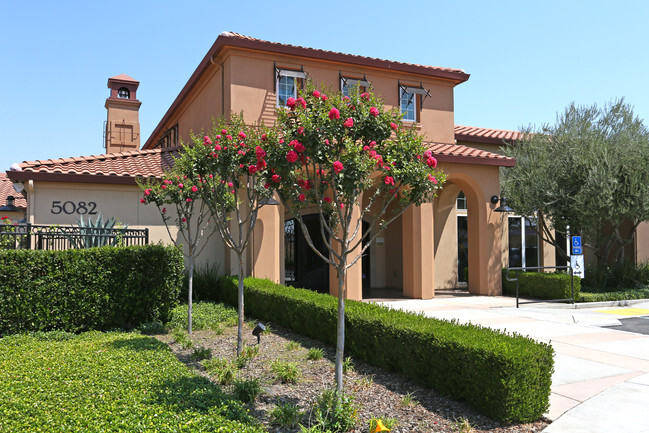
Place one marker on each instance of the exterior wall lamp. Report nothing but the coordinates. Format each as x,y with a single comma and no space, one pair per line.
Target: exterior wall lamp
503,204
268,201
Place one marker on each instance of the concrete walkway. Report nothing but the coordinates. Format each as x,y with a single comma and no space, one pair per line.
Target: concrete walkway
601,378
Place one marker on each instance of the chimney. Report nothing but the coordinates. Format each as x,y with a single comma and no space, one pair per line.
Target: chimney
122,132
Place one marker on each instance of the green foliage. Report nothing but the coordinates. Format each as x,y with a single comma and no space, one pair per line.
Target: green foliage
506,377
113,382
623,295
246,390
348,365
201,353
619,276
292,345
76,290
205,282
221,369
409,400
389,423
541,285
181,337
7,238
152,328
315,354
285,415
334,411
286,372
96,233
206,315
589,170
247,354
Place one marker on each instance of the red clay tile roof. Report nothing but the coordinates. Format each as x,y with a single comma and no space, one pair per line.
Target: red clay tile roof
7,189
123,77
485,135
231,39
468,155
123,167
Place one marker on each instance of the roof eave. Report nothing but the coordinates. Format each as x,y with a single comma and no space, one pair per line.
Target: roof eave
475,160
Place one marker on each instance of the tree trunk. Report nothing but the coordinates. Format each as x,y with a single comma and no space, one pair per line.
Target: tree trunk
340,335
240,306
191,286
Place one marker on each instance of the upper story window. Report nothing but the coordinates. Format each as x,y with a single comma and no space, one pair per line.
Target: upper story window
286,83
410,100
123,93
408,104
347,84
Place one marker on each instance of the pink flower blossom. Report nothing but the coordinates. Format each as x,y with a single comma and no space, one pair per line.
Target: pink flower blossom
316,93
301,197
302,102
338,167
334,113
428,154
300,130
348,123
242,135
365,96
327,200
230,184
164,210
324,97
194,188
147,191
267,185
291,156
189,200
432,162
264,137
300,147
180,185
432,179
163,186
224,131
389,180
276,178
326,141
228,137
217,147
141,201
291,103
218,136
252,169
207,141
346,98
393,125
374,111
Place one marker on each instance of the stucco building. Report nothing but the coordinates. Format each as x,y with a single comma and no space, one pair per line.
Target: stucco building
443,244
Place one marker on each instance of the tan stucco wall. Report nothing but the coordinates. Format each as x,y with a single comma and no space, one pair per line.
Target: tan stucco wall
642,242
119,201
13,216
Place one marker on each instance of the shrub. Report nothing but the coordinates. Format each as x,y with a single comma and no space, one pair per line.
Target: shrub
201,353
541,285
205,283
286,372
315,353
507,377
205,315
152,328
334,412
181,337
246,390
98,288
623,295
285,415
222,369
620,276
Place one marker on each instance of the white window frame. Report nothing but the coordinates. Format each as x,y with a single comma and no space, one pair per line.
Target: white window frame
287,73
523,247
404,91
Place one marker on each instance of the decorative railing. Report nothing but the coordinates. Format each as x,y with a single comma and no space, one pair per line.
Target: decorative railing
44,237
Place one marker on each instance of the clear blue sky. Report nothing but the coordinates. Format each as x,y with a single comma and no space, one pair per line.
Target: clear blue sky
527,60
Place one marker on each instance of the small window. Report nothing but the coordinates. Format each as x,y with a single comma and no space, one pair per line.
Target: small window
347,84
123,93
408,104
286,88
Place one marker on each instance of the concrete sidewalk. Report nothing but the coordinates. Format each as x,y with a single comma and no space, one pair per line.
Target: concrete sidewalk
601,378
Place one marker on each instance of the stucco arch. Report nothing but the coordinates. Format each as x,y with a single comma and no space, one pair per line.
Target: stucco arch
478,183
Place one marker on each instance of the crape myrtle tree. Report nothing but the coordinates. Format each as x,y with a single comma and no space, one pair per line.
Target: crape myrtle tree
231,159
590,170
179,189
339,153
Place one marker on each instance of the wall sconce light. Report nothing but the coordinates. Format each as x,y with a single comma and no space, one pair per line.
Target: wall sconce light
259,329
10,207
268,201
503,204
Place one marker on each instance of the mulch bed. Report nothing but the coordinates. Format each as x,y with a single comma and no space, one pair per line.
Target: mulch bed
377,393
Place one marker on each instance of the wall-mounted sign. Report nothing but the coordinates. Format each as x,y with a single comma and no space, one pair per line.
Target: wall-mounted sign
70,207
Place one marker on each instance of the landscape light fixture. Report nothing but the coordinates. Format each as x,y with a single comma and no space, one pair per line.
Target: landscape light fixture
503,204
259,329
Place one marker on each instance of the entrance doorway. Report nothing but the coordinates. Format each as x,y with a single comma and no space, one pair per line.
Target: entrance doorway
303,267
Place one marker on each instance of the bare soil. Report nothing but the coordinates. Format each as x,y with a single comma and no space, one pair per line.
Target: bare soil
376,392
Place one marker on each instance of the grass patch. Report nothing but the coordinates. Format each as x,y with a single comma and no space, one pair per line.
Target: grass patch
315,354
286,372
205,315
108,382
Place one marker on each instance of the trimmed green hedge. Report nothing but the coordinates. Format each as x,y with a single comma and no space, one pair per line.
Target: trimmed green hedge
622,295
98,288
505,377
541,285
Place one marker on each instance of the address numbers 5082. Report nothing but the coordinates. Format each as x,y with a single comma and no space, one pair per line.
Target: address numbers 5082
70,207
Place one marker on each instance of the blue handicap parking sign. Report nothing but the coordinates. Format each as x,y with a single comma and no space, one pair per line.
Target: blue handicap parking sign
576,245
